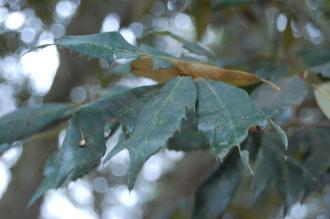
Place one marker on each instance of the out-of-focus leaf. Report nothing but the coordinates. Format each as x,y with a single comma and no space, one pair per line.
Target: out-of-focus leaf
229,3
274,103
192,47
158,120
245,158
281,133
274,165
25,122
216,192
82,149
297,171
202,11
188,137
3,148
322,96
2,80
225,114
150,62
317,59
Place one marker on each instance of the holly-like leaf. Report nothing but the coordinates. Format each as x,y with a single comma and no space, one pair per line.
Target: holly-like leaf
225,114
150,62
322,96
274,103
158,120
82,149
25,122
123,105
216,192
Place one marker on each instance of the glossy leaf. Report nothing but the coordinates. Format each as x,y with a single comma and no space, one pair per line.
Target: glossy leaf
158,120
225,114
25,122
216,192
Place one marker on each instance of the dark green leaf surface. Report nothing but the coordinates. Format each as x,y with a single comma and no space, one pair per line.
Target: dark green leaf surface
188,137
216,192
123,105
25,122
158,120
225,113
111,46
82,149
274,103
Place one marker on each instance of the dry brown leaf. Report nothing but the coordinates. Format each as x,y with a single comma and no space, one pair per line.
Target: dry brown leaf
144,67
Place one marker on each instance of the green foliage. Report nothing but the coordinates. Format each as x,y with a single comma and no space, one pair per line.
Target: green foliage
25,122
221,117
216,192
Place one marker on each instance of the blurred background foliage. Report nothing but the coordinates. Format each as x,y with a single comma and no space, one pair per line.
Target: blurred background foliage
286,41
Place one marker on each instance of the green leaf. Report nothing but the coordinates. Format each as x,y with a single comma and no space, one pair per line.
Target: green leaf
25,122
216,192
275,103
111,46
150,62
188,137
82,149
123,104
274,165
158,120
225,114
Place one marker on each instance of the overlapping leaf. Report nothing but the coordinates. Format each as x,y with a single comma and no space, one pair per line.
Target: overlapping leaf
188,137
216,192
82,149
123,105
158,120
274,103
225,113
297,171
150,62
27,121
